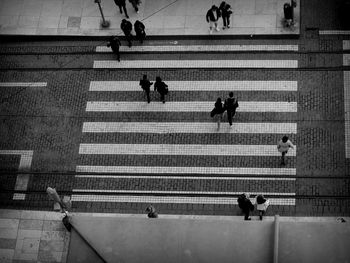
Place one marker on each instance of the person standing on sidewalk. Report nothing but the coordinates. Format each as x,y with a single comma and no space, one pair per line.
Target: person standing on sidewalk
283,147
146,85
218,112
114,43
126,26
261,205
161,87
212,17
231,105
135,4
151,212
226,12
139,28
245,204
121,4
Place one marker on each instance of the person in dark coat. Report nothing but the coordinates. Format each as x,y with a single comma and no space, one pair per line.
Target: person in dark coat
212,17
218,111
231,104
161,87
126,26
146,85
135,4
151,212
114,43
246,205
226,12
121,4
139,28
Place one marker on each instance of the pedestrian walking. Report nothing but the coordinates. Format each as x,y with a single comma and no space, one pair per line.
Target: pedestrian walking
283,147
151,212
246,205
261,205
212,17
218,112
114,43
146,85
226,12
126,27
139,28
135,4
122,5
231,105
161,87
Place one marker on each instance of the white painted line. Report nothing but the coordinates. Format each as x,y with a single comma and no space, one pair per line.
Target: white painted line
171,199
23,84
128,64
24,165
202,48
347,112
200,85
173,192
191,106
164,177
182,149
334,32
346,59
346,44
187,127
187,170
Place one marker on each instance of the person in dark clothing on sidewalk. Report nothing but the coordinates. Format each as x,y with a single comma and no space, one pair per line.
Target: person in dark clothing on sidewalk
114,43
161,87
145,85
135,4
212,17
245,205
225,13
231,104
121,4
139,28
126,26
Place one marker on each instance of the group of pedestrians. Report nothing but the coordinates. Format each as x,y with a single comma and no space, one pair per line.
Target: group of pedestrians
159,86
230,106
214,13
247,206
122,6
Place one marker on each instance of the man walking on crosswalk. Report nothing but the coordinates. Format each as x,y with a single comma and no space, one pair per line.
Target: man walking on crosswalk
146,85
161,87
231,104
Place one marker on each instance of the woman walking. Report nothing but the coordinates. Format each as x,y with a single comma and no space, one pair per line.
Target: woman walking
218,112
283,147
261,205
226,12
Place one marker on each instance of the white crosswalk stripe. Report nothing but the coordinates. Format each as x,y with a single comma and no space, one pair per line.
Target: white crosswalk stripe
187,127
200,85
182,149
196,64
217,171
201,48
23,84
191,106
171,199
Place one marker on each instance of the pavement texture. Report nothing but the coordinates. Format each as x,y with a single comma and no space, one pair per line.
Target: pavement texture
48,120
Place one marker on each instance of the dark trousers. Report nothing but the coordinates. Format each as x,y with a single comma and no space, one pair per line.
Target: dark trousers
226,20
282,158
147,95
246,213
116,52
121,11
135,6
230,114
128,37
141,36
162,97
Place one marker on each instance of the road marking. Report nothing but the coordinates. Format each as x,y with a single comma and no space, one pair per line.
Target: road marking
191,106
200,85
163,177
187,127
120,191
24,165
182,149
171,199
187,170
347,112
346,44
23,84
334,32
201,48
128,64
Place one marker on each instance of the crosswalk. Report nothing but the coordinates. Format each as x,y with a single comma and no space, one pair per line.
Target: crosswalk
125,160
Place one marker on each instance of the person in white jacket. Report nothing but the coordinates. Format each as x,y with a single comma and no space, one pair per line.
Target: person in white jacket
261,205
283,147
